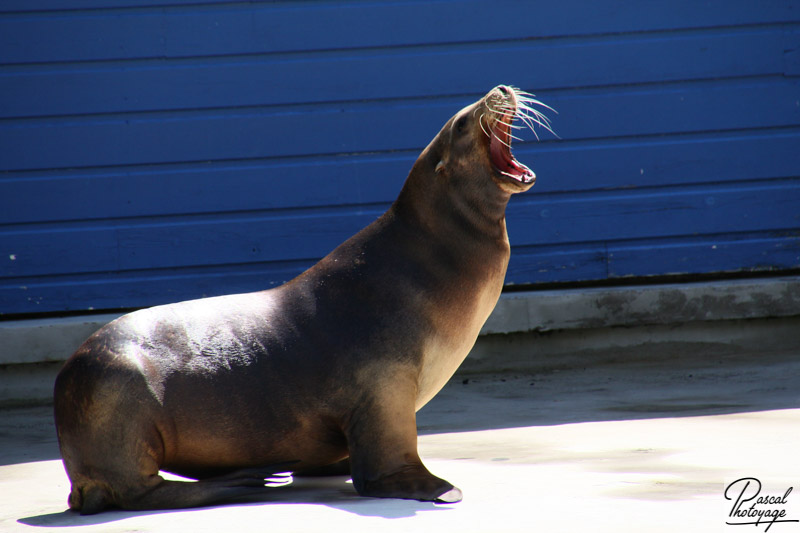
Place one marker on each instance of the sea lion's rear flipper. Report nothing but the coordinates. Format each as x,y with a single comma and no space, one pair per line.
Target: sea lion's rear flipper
159,493
237,484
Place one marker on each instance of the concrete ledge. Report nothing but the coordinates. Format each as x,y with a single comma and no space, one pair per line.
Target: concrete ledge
536,352
645,305
528,331
46,340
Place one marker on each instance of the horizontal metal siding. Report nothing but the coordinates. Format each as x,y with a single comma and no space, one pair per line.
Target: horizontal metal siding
151,153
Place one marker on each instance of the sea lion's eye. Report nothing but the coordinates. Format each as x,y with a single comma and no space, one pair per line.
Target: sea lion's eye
461,124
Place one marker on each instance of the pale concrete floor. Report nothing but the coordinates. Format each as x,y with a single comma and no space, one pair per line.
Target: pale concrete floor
647,446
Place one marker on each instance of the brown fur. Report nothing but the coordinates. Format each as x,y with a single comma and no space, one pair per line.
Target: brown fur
333,364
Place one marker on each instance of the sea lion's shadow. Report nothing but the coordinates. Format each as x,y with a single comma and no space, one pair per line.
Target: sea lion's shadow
337,492
334,492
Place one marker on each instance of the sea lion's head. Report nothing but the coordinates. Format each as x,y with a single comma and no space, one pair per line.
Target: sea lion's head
477,140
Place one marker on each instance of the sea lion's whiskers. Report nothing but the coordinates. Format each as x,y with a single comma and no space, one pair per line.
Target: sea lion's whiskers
509,136
531,117
539,119
530,127
530,120
526,102
501,141
480,122
529,98
505,111
524,110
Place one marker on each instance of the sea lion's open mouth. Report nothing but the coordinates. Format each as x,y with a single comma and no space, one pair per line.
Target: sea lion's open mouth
502,158
505,104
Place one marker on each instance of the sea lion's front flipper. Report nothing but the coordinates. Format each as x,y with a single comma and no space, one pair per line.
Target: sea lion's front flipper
382,438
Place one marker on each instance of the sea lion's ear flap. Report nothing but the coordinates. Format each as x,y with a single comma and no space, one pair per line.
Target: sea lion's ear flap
439,166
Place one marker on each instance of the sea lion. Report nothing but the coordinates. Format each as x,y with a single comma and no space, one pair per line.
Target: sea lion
331,365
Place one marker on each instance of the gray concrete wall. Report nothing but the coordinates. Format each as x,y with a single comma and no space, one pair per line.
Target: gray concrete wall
528,331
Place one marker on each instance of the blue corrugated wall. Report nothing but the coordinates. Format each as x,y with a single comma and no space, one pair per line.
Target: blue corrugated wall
160,150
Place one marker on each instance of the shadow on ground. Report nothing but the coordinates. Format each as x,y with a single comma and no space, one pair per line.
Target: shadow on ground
335,492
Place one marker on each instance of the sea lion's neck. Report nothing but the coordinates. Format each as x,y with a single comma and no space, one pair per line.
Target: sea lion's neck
457,225
454,207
